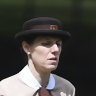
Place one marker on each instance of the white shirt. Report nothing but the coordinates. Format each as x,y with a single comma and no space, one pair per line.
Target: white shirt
28,78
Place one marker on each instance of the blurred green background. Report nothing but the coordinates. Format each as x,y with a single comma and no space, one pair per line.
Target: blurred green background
78,62
73,13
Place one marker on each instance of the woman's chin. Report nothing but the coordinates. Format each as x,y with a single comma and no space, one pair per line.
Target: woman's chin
52,68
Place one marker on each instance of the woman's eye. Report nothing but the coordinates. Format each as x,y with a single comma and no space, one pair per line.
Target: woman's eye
46,43
49,43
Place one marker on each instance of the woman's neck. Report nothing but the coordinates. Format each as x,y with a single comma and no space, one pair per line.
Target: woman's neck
41,77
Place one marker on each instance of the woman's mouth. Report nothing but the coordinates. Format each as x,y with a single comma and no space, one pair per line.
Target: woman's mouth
53,59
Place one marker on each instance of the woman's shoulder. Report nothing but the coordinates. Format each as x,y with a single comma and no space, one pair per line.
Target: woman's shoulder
9,81
62,82
64,85
5,84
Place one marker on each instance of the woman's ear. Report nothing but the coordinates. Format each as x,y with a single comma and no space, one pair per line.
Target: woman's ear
26,47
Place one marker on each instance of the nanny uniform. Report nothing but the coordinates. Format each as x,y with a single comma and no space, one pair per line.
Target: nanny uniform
24,83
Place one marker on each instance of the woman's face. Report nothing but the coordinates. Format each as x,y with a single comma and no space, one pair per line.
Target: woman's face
45,52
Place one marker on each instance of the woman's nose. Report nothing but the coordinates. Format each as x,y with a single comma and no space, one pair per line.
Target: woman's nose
55,48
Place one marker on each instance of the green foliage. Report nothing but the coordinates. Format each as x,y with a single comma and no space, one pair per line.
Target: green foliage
14,12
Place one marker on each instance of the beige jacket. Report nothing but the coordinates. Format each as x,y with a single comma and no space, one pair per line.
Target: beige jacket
14,86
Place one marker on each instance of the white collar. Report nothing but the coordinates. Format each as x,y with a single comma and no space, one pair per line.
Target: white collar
27,77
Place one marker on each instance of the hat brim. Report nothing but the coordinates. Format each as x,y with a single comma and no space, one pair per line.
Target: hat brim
38,32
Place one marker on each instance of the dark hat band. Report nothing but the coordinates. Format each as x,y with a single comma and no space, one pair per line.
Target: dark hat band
51,27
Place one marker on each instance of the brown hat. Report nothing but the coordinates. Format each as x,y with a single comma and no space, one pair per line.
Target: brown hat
42,26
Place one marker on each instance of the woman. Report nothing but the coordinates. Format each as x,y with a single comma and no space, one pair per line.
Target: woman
41,40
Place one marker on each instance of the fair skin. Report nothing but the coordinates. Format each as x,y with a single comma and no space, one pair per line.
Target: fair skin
43,56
